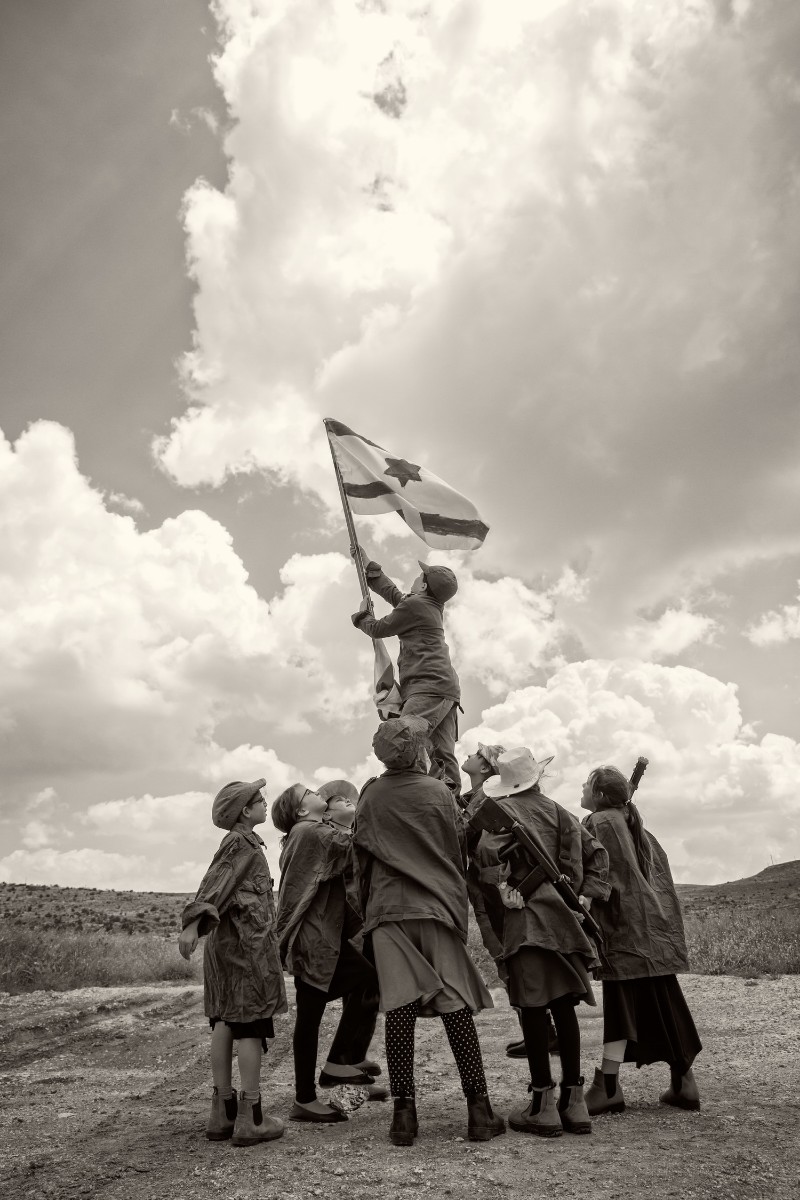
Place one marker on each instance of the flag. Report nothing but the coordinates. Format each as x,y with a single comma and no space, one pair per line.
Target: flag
386,693
376,482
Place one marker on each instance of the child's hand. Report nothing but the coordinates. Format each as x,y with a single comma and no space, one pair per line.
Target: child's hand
364,605
511,897
359,550
187,942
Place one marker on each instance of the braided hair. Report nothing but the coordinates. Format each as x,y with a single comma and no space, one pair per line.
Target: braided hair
614,792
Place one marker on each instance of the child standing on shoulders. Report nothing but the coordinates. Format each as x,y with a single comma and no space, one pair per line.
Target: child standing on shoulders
243,983
645,1016
316,923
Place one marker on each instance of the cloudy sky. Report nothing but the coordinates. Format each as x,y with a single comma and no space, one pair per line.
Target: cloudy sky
549,249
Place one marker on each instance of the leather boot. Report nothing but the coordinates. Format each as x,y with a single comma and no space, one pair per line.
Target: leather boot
682,1091
222,1117
482,1123
605,1094
404,1127
572,1108
252,1125
541,1115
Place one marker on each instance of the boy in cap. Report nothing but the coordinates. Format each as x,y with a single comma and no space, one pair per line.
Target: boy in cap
243,982
429,686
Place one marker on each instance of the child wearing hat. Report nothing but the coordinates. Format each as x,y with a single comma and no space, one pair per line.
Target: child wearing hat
546,952
429,686
316,924
645,1016
243,987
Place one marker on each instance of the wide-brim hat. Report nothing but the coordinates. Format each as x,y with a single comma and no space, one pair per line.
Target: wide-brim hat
518,772
338,787
230,801
441,581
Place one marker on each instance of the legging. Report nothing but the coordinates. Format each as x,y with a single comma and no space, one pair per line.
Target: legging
535,1023
461,1034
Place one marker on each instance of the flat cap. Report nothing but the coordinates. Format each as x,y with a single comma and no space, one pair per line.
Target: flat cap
231,799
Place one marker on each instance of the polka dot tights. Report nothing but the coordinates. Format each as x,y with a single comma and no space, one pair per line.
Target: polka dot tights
461,1034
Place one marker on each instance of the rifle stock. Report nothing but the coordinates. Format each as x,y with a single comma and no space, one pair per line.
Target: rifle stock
638,772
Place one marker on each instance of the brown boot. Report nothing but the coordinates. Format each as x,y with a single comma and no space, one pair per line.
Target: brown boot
605,1094
682,1092
541,1115
572,1109
222,1117
404,1125
252,1125
482,1123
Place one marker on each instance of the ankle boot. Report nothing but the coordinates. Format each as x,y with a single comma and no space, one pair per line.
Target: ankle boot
404,1127
605,1094
572,1108
482,1123
682,1092
252,1125
222,1117
540,1116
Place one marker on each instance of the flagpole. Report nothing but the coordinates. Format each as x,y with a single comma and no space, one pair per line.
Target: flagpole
351,529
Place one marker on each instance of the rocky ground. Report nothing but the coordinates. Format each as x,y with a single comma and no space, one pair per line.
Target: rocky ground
104,1094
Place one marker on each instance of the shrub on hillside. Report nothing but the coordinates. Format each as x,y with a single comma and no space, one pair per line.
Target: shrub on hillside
743,941
31,960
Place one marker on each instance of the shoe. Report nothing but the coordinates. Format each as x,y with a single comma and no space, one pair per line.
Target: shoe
541,1115
222,1117
682,1092
516,1049
572,1109
298,1113
604,1095
377,1092
368,1067
482,1123
329,1081
404,1126
252,1125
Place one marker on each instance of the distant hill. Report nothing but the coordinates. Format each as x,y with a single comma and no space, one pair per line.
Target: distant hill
88,909
776,887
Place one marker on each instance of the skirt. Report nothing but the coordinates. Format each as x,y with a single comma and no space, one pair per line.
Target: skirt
536,977
427,961
260,1030
652,1015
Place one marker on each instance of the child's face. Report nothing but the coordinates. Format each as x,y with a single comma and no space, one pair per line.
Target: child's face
312,804
418,585
588,795
256,810
474,765
341,810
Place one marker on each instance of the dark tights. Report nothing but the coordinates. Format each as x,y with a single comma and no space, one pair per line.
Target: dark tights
535,1024
461,1034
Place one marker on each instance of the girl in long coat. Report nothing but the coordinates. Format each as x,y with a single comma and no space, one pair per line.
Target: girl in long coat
645,1016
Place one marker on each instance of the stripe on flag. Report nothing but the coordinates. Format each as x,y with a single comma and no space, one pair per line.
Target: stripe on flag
376,482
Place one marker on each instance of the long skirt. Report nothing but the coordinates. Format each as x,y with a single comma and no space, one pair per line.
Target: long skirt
427,961
537,976
652,1015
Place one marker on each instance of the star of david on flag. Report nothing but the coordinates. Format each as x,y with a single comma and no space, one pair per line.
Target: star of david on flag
377,482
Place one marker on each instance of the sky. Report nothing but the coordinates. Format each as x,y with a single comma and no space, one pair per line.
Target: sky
548,249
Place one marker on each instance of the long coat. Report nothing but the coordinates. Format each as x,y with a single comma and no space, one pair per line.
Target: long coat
641,921
546,921
410,852
313,909
423,664
243,980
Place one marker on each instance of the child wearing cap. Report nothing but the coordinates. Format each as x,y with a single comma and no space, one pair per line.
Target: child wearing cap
243,982
429,686
316,924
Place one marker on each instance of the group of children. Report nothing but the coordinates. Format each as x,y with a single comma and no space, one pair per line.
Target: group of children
373,909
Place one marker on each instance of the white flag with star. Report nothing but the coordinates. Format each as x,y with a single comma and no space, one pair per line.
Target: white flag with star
377,482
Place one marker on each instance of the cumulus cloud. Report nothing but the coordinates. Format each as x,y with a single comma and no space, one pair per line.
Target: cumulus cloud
775,627
722,802
453,213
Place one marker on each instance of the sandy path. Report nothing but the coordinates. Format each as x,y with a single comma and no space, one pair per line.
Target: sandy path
104,1094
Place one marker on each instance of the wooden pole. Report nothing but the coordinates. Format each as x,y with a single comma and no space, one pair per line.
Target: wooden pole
351,529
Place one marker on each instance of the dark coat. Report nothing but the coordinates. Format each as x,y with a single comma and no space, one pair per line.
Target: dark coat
485,899
313,910
410,852
423,664
641,921
546,921
243,980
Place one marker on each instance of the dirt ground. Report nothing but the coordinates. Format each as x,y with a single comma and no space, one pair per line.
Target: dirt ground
105,1090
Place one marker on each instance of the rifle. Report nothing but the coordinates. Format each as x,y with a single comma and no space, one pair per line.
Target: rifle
638,772
520,851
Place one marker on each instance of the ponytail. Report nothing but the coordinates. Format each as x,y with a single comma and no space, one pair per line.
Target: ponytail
614,792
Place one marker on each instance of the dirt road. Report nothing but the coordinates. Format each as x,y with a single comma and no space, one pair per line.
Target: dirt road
104,1094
